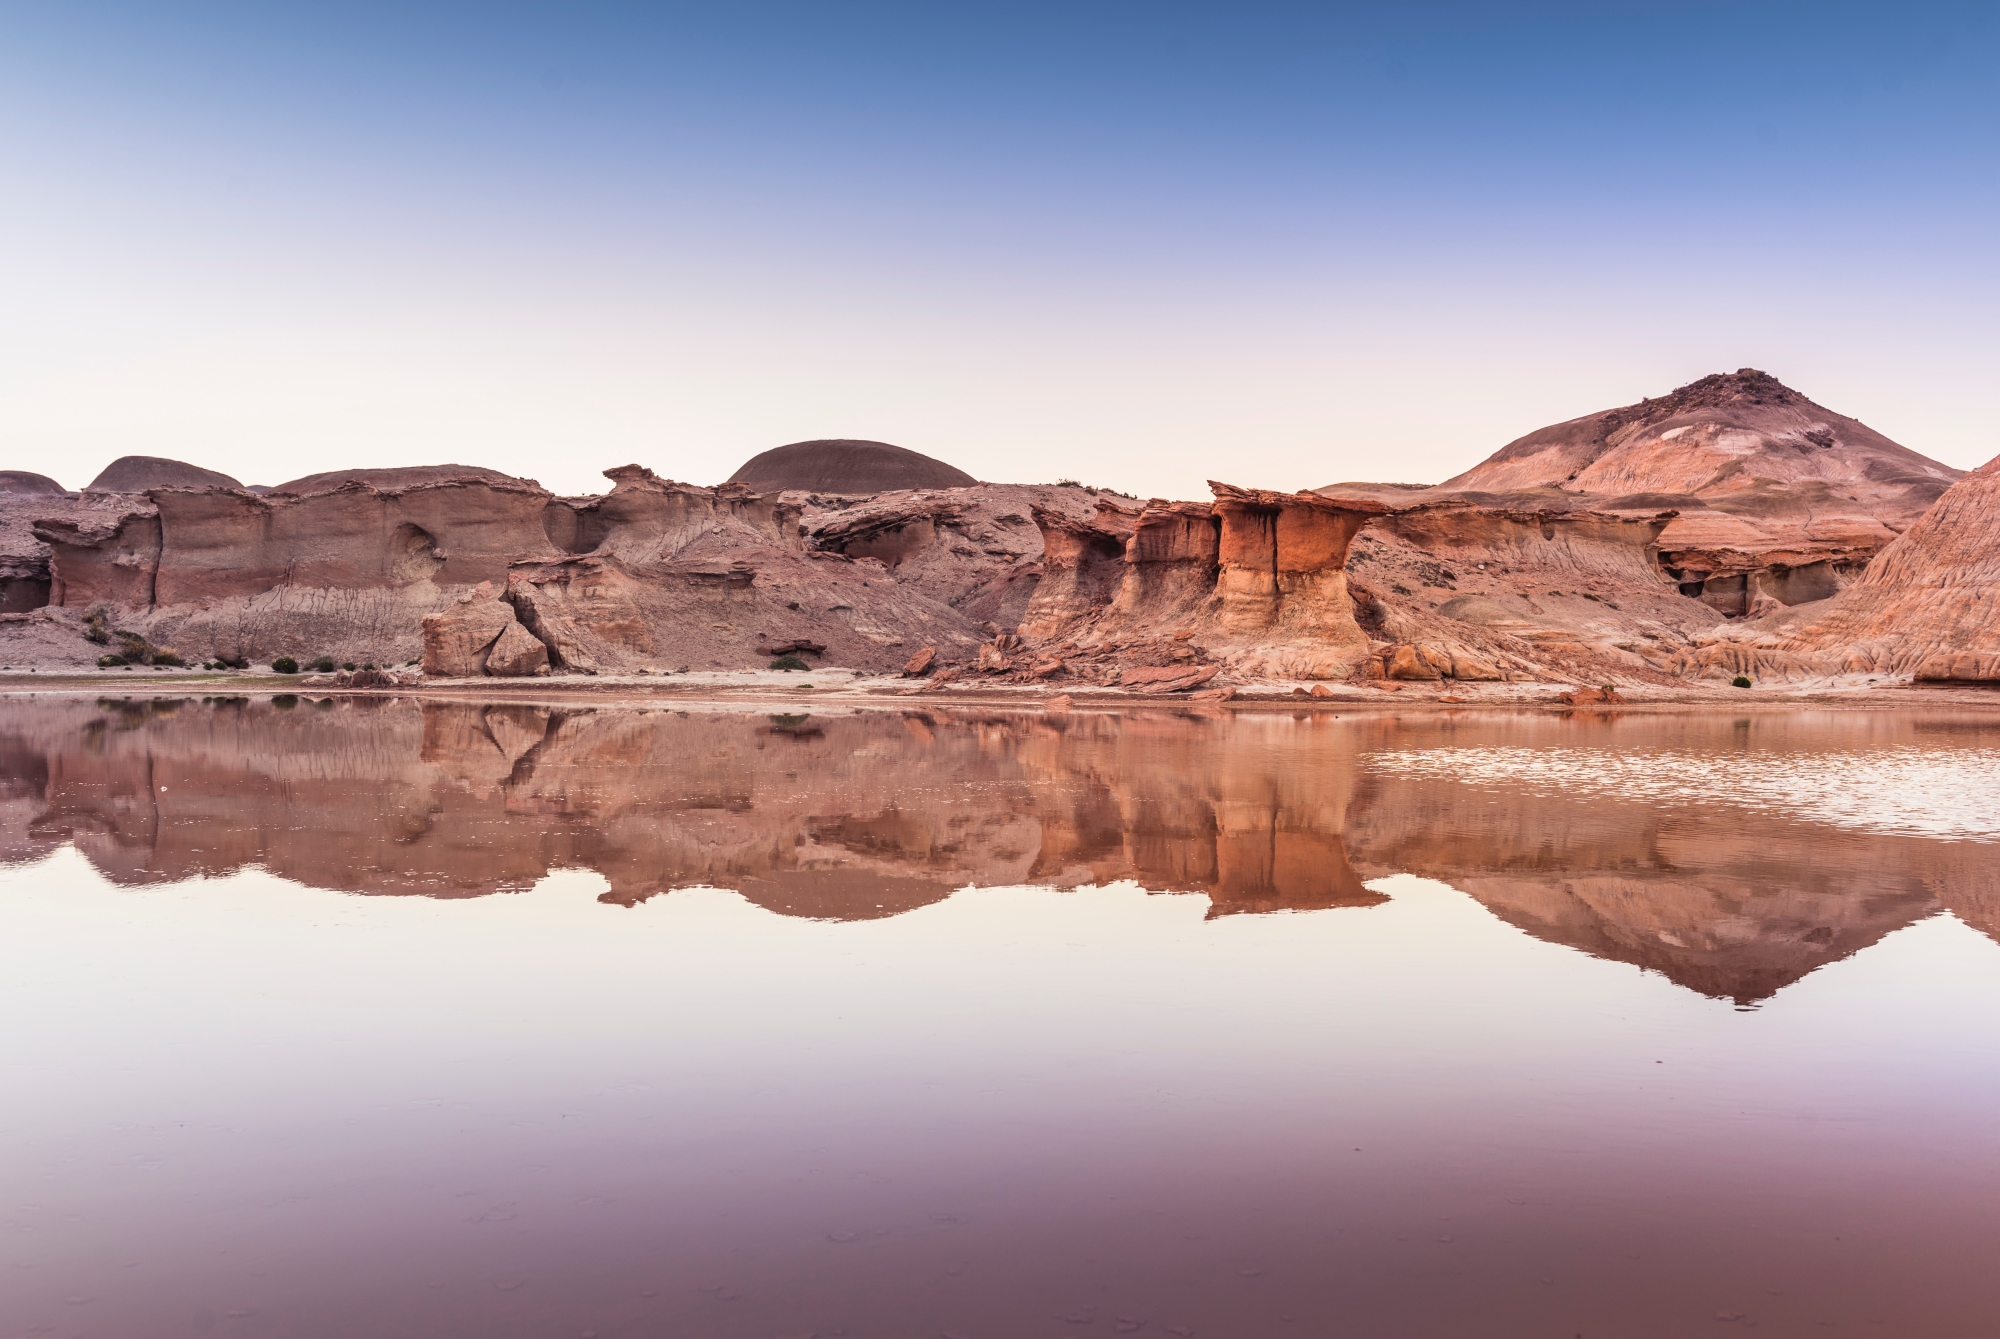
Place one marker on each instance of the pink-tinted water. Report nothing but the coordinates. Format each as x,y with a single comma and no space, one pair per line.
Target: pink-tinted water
439,1019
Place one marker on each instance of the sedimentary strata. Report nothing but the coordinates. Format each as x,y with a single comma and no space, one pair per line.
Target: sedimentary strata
1928,605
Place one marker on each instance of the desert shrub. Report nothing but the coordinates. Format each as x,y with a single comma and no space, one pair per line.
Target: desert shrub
348,665
285,665
94,630
166,655
369,666
324,665
1740,681
109,662
789,663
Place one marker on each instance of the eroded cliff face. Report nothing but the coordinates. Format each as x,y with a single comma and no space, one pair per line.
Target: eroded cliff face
1928,605
1255,581
343,562
865,816
654,575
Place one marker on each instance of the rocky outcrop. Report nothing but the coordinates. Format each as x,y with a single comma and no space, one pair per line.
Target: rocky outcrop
845,465
1928,605
1255,580
458,640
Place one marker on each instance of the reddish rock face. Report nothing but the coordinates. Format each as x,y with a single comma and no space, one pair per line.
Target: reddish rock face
1930,602
457,640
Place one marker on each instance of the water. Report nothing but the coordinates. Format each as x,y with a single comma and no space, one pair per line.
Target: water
446,1019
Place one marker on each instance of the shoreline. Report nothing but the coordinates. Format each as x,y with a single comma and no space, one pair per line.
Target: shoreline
824,689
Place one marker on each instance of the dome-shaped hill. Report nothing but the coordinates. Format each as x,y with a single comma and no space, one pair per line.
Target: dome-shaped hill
844,465
407,476
1727,434
22,481
135,474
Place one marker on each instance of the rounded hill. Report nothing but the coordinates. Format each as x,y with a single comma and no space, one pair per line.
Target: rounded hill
135,474
846,465
24,481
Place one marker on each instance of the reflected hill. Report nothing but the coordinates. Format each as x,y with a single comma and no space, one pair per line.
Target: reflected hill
869,815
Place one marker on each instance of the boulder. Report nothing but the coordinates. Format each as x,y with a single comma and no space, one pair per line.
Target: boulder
456,641
517,654
920,663
1408,662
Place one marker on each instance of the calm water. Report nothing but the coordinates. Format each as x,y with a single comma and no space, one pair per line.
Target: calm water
438,1020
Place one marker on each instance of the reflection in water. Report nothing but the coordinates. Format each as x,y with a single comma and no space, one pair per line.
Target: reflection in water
997,1040
1662,842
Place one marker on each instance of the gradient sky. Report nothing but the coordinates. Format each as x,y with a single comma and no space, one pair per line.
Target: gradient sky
1143,245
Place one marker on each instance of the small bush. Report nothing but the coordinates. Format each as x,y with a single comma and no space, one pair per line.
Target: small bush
109,662
369,666
94,629
324,665
285,665
347,665
789,663
166,655
408,663
1740,681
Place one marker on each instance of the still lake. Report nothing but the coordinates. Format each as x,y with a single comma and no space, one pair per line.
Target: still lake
400,1018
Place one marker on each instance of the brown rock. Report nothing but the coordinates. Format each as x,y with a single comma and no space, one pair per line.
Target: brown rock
1167,679
457,640
1046,669
1471,667
1060,702
1409,663
920,663
1583,697
1321,690
1963,667
517,654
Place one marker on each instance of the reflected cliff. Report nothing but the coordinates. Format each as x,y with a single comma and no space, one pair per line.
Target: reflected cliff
868,815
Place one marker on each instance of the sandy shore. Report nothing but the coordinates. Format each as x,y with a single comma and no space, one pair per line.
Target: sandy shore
824,689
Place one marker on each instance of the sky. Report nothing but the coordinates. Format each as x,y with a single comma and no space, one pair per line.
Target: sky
1138,245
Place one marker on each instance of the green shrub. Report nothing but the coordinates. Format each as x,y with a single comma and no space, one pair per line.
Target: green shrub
324,665
109,662
166,655
369,665
789,663
347,665
285,665
1740,681
94,629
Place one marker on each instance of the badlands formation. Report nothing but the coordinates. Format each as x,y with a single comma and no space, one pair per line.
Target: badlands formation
1732,527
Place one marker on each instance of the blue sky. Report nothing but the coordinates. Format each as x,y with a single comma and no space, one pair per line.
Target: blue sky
1141,245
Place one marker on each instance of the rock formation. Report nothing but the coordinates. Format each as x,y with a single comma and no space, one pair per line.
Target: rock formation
1771,499
1611,548
843,465
1928,605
